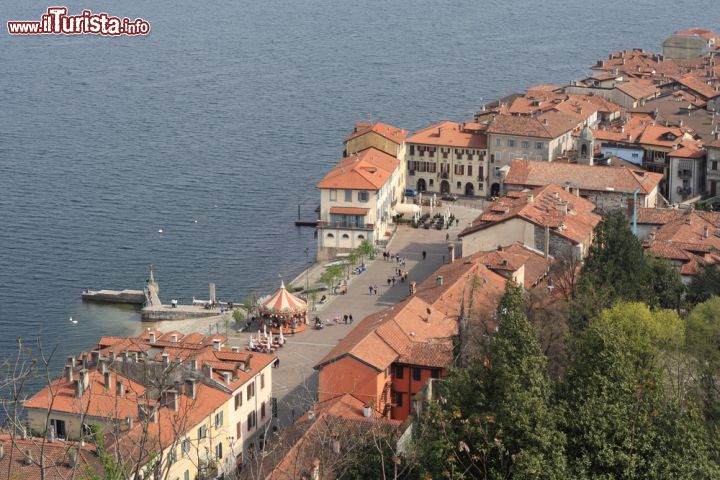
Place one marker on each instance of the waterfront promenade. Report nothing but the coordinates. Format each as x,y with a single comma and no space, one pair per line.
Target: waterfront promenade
295,381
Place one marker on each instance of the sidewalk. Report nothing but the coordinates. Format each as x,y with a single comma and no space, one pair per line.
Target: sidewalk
295,381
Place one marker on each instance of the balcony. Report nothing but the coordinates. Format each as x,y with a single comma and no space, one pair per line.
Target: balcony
685,174
345,226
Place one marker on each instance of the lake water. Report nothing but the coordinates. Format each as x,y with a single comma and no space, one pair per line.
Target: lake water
228,114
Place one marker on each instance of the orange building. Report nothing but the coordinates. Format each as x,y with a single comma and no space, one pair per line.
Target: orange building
391,355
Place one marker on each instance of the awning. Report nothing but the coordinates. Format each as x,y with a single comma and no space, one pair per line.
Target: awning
348,211
406,208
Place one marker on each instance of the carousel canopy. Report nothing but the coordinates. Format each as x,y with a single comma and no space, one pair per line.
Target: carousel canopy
283,302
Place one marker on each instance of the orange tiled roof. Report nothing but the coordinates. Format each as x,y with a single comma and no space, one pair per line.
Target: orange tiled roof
551,124
689,150
395,134
545,209
585,177
637,90
512,257
56,457
368,170
450,134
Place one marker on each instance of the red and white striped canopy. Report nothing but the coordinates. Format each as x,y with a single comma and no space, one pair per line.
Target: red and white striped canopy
283,302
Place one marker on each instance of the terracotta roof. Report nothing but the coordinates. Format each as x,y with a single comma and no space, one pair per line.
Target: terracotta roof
349,210
368,170
514,256
695,83
637,90
658,216
658,135
585,177
545,209
394,134
551,124
450,134
55,461
689,150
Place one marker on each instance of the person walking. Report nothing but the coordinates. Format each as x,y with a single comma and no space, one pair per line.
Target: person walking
424,254
393,281
370,287
389,281
375,289
345,318
447,237
350,319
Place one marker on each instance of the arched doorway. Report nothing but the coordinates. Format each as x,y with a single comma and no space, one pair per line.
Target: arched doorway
495,189
444,187
469,189
421,185
583,150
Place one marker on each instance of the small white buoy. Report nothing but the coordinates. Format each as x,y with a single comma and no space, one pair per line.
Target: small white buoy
74,322
215,206
194,221
160,230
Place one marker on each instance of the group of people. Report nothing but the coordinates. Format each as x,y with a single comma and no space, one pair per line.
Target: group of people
372,289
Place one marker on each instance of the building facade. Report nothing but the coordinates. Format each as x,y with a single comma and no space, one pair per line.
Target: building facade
356,201
448,158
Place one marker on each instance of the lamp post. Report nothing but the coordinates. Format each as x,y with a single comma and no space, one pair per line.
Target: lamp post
307,274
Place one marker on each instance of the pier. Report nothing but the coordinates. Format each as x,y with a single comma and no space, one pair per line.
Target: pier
131,297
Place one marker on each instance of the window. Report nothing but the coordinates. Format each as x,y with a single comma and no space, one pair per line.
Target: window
498,142
238,431
412,149
186,475
714,165
172,456
481,186
459,169
481,171
416,374
329,235
459,184
333,195
252,420
218,450
262,381
434,373
539,145
202,432
185,447
398,399
218,419
361,237
635,155
363,196
432,182
238,400
399,372
470,170
250,391
345,236
348,195
525,144
59,426
262,411
511,142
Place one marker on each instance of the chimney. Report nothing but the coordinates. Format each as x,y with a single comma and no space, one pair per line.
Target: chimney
151,337
190,388
545,122
451,252
706,232
556,195
82,383
530,198
651,235
119,388
51,434
129,422
227,376
106,380
68,373
95,356
125,355
688,221
438,281
28,457
2,451
111,356
193,364
367,411
563,207
71,361
72,457
216,344
336,444
208,370
166,359
546,246
236,349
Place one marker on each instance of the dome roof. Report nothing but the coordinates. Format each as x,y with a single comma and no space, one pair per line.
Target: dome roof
283,302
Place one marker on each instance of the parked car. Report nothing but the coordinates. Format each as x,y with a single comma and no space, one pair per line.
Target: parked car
410,192
449,197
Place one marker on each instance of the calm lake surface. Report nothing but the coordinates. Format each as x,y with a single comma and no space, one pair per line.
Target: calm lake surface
228,114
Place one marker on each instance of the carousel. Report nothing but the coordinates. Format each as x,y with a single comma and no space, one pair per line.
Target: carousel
283,311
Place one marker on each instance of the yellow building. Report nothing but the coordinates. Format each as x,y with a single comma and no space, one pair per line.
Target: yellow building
183,406
356,201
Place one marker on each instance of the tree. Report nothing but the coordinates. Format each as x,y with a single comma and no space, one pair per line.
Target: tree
702,339
620,420
495,420
705,284
331,274
366,249
666,283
